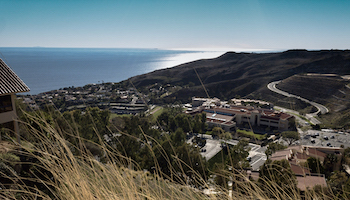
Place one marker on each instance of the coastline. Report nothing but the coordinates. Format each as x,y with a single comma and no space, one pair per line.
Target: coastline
46,69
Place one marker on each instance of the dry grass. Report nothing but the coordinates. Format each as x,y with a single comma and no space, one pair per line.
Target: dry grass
70,172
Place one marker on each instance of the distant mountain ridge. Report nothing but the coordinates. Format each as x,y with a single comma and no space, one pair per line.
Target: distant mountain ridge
242,74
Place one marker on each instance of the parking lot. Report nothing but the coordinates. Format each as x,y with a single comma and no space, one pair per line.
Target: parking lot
212,147
325,138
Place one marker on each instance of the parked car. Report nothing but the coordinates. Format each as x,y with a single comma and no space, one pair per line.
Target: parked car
329,144
325,137
312,141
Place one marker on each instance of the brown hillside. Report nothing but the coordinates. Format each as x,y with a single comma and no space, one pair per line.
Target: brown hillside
319,88
330,90
234,74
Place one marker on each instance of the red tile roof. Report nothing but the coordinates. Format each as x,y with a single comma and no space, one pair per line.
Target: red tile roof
272,114
314,152
302,156
9,81
298,169
282,154
310,182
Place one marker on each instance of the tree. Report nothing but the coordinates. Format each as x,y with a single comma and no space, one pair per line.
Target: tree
178,138
329,164
339,182
189,162
292,124
226,136
237,162
203,120
277,175
273,147
238,155
199,125
346,156
222,175
315,165
316,127
217,131
290,136
183,121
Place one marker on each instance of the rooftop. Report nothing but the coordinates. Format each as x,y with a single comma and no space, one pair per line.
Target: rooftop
282,154
248,110
305,182
223,118
299,170
9,82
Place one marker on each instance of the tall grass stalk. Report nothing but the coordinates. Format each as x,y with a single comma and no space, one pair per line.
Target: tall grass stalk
68,171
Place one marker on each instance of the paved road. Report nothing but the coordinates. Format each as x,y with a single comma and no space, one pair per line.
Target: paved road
301,122
311,116
320,108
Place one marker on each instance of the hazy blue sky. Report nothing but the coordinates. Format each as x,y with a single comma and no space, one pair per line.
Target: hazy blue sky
180,24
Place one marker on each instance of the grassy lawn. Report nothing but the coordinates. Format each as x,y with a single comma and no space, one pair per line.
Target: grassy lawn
158,112
250,133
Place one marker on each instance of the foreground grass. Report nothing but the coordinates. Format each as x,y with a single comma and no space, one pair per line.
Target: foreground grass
66,171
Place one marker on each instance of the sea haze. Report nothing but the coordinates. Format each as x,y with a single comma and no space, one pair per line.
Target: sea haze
45,69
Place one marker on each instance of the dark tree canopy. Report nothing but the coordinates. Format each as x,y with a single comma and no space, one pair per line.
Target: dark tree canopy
277,174
273,147
290,136
315,165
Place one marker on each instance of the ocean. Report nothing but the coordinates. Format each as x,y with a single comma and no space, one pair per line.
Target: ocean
45,69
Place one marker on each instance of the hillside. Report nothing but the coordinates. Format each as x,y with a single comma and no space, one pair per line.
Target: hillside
333,91
243,74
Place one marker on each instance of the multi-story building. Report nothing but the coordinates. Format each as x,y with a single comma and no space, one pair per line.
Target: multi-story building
10,84
222,114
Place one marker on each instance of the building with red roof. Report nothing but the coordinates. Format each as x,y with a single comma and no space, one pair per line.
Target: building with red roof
243,114
298,155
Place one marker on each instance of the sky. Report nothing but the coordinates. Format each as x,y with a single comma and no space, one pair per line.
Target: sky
177,24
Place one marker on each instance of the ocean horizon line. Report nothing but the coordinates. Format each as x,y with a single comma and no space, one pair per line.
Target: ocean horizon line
164,49
47,69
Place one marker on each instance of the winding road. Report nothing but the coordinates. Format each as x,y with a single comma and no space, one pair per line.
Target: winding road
320,108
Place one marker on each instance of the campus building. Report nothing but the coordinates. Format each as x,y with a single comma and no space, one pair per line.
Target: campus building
221,115
10,84
297,157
